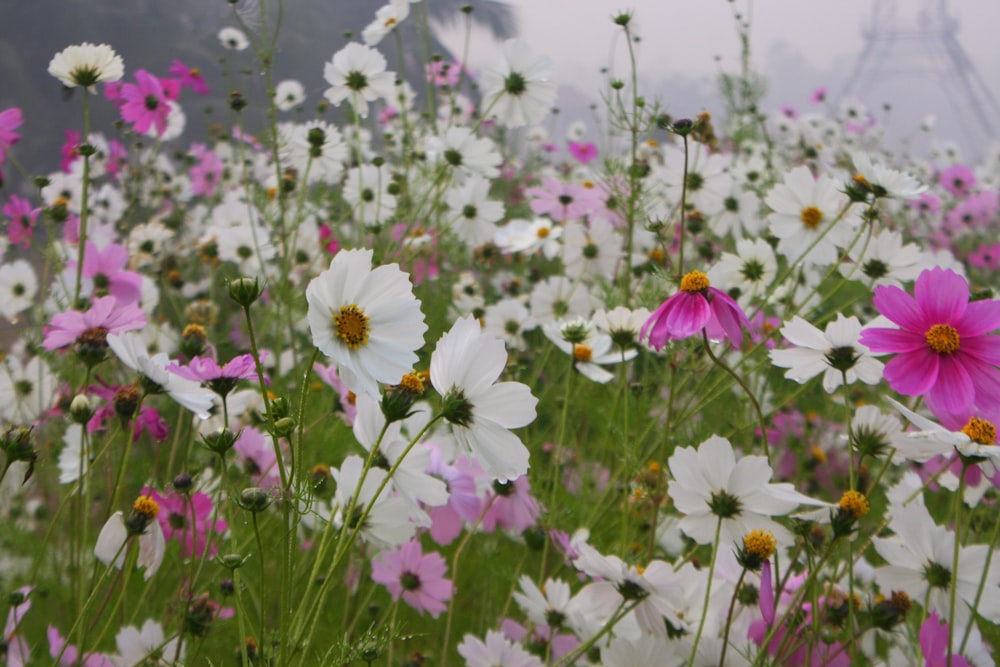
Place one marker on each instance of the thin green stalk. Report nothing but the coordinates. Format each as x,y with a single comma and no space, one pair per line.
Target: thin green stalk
956,551
746,389
708,592
729,618
84,202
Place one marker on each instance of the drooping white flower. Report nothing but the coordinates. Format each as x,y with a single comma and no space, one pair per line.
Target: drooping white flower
136,646
367,320
387,522
386,19
465,367
517,90
590,350
131,350
87,65
357,73
884,181
111,542
834,352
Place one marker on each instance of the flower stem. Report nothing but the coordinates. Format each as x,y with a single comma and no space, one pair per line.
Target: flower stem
708,592
956,551
746,389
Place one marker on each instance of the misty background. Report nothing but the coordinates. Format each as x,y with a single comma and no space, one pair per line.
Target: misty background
797,46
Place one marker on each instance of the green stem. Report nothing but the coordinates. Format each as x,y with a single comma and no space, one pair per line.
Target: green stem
746,389
956,552
708,592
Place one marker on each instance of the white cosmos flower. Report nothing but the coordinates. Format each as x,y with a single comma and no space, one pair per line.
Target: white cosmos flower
750,270
621,323
366,189
833,353
233,39
529,236
136,645
883,181
367,320
111,542
70,463
315,149
805,211
130,348
505,319
357,73
884,260
590,350
474,214
87,65
18,287
976,439
289,94
410,478
518,90
387,524
26,390
465,367
591,252
710,485
462,150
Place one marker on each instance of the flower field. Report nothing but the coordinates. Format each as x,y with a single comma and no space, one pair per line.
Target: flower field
397,373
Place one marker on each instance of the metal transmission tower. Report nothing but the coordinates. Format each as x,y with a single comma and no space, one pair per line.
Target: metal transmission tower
925,50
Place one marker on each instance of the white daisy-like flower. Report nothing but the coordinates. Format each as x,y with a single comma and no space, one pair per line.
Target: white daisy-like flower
387,524
590,350
315,149
366,189
621,324
505,319
805,217
289,94
136,646
557,299
885,260
357,73
367,320
251,250
883,181
529,236
518,90
462,150
709,485
750,270
474,214
72,463
26,390
233,39
87,65
111,542
18,287
976,439
465,367
496,650
591,252
386,19
834,352
130,348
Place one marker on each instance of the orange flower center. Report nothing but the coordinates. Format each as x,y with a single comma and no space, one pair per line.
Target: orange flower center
696,281
811,217
582,352
981,431
943,338
351,326
855,503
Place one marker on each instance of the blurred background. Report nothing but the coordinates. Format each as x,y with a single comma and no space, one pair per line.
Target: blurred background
913,57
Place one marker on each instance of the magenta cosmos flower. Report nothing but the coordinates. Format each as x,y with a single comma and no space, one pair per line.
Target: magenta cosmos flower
188,519
696,306
418,578
145,102
941,347
91,328
220,379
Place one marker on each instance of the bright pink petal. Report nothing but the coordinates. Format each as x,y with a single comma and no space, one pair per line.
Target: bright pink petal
892,341
954,390
942,295
689,316
980,317
900,307
913,373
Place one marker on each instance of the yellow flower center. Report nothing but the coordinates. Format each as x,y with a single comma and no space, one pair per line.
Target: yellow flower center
943,338
351,325
818,454
582,352
656,255
855,503
760,543
588,184
862,181
413,383
696,281
194,71
981,431
391,21
654,466
542,232
146,507
811,217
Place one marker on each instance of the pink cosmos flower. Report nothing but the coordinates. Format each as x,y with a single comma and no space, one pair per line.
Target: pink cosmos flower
934,643
958,180
18,650
441,73
70,150
106,268
464,501
145,102
259,459
977,211
206,174
22,219
582,152
697,306
513,508
818,96
417,578
10,120
563,201
189,77
70,654
220,379
926,204
986,257
348,408
105,316
188,519
117,156
942,348
148,419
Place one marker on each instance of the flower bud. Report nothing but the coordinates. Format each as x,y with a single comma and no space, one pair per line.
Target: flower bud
245,291
80,409
254,499
220,441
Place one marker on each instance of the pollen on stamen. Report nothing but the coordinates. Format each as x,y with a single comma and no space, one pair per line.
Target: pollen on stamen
542,232
582,352
943,338
760,543
696,281
854,503
351,326
811,217
980,431
146,507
